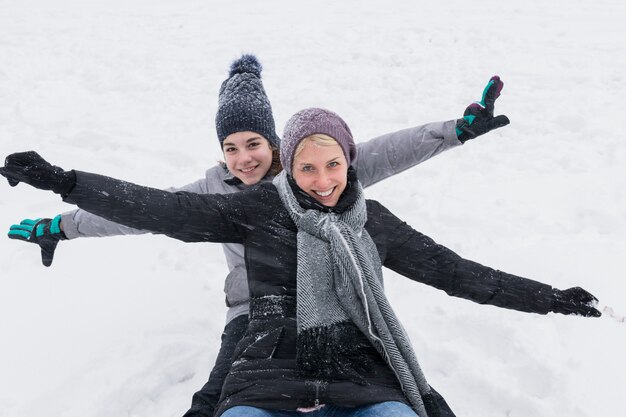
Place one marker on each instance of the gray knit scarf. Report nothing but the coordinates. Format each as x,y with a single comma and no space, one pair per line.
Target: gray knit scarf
340,280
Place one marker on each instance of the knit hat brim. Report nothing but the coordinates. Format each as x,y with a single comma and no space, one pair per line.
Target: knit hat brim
313,121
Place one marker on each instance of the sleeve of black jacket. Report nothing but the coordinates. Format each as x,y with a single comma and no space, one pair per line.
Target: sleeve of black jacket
418,257
184,216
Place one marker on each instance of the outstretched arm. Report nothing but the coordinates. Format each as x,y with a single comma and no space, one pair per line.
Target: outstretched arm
184,216
418,257
390,154
48,232
81,223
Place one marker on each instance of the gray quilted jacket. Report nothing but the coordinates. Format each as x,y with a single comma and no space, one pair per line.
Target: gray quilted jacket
377,159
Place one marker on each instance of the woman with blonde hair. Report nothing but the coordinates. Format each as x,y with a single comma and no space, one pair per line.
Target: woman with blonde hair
322,337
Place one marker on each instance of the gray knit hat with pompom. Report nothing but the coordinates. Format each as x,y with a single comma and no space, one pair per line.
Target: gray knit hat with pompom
243,104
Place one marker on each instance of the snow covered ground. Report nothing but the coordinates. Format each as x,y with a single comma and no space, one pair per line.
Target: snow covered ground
130,326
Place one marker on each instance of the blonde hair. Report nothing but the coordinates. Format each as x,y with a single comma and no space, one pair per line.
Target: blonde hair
318,139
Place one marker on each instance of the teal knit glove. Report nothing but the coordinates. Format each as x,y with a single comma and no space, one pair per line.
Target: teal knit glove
478,117
44,232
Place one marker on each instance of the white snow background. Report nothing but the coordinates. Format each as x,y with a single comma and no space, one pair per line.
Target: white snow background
130,326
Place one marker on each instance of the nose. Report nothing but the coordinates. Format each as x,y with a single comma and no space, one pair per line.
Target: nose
245,156
322,180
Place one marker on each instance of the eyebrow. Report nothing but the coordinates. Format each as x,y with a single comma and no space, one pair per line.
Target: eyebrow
247,141
309,163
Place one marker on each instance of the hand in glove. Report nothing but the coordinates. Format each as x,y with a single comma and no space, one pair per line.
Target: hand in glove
478,117
32,169
575,301
45,232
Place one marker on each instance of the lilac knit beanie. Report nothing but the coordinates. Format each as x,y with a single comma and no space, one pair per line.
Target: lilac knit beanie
308,122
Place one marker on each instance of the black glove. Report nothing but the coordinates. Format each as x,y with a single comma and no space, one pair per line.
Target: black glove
575,301
44,232
478,117
32,169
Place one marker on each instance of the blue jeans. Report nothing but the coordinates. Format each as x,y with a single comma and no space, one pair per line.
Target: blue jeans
385,409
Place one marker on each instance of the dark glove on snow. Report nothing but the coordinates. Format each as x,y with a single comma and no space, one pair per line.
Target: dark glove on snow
45,232
32,169
478,117
575,301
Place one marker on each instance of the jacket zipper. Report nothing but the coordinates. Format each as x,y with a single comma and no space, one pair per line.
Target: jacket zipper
317,393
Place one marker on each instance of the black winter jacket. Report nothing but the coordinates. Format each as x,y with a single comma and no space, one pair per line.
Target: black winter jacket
263,374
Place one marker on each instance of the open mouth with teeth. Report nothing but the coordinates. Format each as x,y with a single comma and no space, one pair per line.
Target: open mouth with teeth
324,194
247,170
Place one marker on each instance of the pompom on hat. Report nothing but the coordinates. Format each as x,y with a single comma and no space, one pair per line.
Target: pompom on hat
315,121
243,104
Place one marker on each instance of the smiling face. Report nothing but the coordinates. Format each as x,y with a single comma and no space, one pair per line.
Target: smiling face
248,156
321,170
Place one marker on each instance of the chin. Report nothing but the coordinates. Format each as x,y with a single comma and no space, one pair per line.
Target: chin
250,181
326,203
